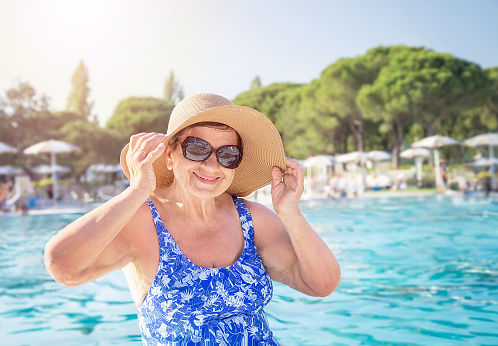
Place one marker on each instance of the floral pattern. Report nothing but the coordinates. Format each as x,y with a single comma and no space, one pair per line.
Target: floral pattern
191,305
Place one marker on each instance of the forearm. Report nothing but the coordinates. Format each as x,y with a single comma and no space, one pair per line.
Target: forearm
80,244
315,263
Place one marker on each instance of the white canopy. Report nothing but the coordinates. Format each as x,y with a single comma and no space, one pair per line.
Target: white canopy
435,142
351,157
490,140
482,140
378,155
10,170
103,168
46,169
5,148
485,162
52,147
312,161
415,152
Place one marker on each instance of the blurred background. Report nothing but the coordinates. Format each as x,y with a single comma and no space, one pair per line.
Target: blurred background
334,76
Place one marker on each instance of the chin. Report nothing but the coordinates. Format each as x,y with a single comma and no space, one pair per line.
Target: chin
206,193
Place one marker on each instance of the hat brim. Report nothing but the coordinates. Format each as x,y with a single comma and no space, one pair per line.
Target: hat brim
263,148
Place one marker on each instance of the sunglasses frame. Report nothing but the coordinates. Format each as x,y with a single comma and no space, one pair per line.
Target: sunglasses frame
184,149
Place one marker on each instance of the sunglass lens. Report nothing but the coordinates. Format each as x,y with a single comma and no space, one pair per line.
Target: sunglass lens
229,156
197,150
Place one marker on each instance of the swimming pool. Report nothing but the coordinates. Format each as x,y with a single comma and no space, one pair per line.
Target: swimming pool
415,271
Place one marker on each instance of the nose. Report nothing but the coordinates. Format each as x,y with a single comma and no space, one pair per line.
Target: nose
211,163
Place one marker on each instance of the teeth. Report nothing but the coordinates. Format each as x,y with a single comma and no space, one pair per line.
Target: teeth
204,178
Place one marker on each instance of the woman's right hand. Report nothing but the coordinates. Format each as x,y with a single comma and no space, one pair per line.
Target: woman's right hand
142,152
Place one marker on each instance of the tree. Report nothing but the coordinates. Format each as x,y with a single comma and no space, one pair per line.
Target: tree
304,130
25,117
140,114
97,145
78,99
422,87
256,82
340,83
173,91
489,114
268,100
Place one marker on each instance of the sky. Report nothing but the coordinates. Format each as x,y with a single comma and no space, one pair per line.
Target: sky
219,46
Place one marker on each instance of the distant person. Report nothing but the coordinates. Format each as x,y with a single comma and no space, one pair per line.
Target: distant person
22,209
199,260
444,174
487,185
6,187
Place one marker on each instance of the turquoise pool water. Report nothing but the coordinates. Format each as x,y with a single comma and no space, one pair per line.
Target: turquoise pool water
415,271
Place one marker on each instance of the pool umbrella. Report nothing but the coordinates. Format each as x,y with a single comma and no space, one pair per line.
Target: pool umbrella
487,139
482,162
113,168
355,156
5,148
352,157
8,170
52,147
46,169
378,155
322,161
97,167
418,154
436,142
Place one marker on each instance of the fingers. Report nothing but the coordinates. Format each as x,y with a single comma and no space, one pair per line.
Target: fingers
153,155
134,139
294,175
143,143
276,176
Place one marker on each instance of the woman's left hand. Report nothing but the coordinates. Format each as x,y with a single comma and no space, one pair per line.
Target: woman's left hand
286,192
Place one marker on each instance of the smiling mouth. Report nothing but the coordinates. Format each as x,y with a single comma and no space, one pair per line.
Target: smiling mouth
203,178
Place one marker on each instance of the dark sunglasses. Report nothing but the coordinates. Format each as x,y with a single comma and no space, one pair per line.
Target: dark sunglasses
196,149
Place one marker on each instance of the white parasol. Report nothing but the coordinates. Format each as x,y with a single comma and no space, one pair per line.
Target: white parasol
436,142
46,169
52,147
484,162
351,157
321,162
5,148
113,168
8,170
378,155
418,154
490,140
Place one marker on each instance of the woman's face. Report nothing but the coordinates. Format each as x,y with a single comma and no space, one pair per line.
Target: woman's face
206,179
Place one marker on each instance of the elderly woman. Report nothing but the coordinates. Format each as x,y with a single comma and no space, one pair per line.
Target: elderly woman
198,259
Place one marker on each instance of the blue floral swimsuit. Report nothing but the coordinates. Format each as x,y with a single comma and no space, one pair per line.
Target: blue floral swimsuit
191,305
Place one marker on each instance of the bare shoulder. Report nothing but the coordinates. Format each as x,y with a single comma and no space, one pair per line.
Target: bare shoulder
267,225
261,214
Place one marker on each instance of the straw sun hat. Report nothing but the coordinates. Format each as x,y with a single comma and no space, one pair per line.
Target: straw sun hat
261,141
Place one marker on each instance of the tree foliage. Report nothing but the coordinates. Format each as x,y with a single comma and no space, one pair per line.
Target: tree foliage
489,111
256,83
385,99
26,120
421,87
268,100
140,114
78,99
173,91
